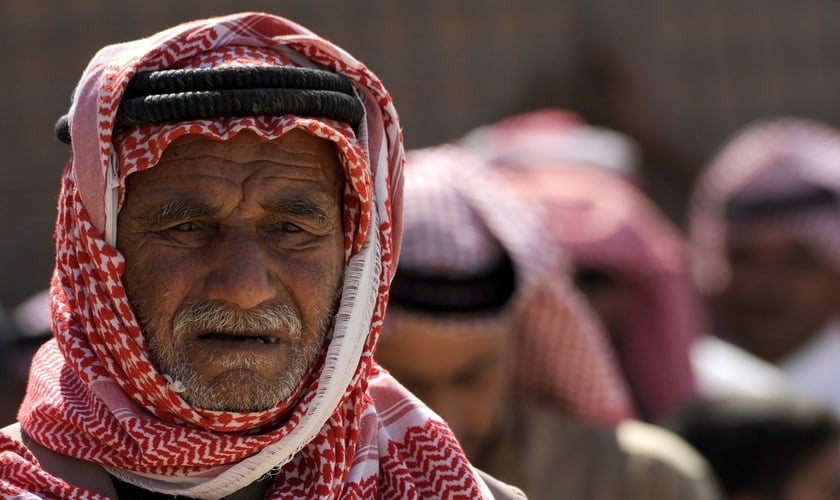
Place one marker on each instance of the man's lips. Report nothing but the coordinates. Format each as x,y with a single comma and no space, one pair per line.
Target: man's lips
241,337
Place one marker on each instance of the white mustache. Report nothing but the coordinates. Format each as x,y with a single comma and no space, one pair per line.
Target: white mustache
270,318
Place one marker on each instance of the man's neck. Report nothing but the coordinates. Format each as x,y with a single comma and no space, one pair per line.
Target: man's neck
255,491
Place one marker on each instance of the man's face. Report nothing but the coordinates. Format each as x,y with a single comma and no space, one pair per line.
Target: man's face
234,256
779,295
611,298
461,375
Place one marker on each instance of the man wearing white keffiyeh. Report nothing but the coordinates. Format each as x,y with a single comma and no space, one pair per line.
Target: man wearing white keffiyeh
228,228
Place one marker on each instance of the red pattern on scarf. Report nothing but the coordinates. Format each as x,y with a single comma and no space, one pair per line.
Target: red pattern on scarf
599,218
603,222
459,213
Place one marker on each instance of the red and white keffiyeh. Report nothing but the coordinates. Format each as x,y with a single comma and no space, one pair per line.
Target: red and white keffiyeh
95,395
604,222
456,216
767,160
583,183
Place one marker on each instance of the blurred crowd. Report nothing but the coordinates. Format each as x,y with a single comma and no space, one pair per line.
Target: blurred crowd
598,311
581,343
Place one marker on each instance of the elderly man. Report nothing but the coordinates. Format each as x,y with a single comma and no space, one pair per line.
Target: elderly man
765,222
228,227
483,325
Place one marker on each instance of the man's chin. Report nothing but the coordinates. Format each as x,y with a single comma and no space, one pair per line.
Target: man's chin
237,391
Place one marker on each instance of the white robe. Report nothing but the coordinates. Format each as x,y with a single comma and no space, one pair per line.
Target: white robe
810,374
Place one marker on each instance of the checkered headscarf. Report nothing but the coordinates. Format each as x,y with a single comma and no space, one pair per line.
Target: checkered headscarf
604,223
591,208
458,222
778,175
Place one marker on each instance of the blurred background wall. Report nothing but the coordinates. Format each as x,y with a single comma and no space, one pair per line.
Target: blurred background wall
678,75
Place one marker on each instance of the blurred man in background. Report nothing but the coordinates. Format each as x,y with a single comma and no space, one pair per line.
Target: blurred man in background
626,256
765,225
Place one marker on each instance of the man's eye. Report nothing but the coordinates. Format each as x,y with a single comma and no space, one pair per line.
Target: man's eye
187,233
184,227
288,227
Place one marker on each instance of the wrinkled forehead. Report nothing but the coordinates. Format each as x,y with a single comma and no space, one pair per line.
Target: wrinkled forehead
295,147
282,142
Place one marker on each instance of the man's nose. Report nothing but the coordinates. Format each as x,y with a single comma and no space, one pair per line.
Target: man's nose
241,273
